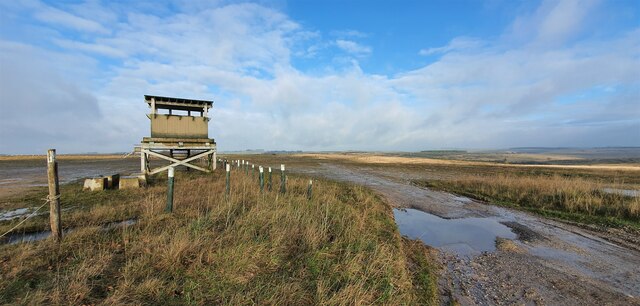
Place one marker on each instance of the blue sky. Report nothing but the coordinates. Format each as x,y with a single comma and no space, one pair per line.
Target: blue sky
323,75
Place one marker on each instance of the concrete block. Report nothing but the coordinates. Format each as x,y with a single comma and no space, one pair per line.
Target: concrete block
113,181
95,184
130,182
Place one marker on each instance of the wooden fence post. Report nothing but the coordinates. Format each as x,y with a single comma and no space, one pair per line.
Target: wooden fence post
261,175
309,189
54,195
269,180
283,180
228,187
253,170
169,207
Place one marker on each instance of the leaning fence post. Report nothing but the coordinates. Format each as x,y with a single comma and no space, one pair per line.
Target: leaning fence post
54,195
269,181
309,189
169,207
283,180
261,175
228,186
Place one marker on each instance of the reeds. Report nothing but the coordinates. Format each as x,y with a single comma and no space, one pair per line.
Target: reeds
548,192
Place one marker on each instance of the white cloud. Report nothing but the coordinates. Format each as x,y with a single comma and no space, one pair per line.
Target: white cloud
353,47
553,23
456,44
42,104
56,16
479,93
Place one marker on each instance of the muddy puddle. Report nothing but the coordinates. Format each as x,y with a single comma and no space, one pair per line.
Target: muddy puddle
623,192
14,214
37,236
465,236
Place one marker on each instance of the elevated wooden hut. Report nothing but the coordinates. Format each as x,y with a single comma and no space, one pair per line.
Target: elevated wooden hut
179,134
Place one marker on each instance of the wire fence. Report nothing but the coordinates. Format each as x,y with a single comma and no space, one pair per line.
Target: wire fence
33,214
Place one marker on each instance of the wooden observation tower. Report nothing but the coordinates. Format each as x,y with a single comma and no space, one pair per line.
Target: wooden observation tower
179,134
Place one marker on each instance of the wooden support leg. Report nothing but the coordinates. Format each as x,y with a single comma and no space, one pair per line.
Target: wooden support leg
189,155
143,161
215,160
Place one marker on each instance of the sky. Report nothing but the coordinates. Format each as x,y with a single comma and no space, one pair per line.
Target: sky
323,75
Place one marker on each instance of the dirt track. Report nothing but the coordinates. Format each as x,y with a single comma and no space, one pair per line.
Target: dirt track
549,263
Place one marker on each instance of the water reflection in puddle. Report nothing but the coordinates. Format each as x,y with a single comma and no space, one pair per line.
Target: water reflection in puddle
467,236
36,236
14,214
623,192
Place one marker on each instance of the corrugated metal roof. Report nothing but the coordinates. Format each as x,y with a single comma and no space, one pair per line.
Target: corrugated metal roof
161,99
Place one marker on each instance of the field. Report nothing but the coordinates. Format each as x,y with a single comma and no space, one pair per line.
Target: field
340,247
586,193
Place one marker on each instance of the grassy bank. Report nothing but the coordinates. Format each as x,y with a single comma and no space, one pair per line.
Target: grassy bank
560,196
342,247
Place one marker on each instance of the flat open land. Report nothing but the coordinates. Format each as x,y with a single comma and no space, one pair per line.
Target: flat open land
511,247
547,261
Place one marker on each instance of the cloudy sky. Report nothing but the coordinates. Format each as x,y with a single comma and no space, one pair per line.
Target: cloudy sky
323,75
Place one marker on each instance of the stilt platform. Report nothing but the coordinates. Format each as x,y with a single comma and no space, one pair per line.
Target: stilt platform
189,149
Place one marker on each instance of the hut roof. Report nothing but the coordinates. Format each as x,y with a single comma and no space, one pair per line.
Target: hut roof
178,103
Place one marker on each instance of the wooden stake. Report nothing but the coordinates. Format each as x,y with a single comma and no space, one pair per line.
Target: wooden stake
269,181
228,186
54,195
283,180
309,189
169,207
261,179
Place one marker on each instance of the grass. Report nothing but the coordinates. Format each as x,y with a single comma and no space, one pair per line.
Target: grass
572,198
568,192
340,247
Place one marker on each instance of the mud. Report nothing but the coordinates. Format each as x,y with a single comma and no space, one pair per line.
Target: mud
17,176
545,261
15,238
